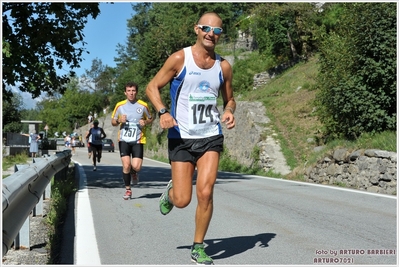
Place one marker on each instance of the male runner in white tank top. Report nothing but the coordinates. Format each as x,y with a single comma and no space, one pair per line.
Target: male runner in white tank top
195,139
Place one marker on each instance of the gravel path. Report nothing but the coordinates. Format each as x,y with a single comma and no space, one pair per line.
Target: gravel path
38,253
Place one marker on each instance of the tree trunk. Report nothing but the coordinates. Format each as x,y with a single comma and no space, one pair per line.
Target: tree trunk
293,50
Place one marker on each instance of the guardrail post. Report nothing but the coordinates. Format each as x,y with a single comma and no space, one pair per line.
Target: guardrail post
47,192
38,209
22,241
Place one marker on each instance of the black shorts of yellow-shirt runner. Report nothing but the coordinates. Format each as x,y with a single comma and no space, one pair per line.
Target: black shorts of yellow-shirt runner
190,150
131,149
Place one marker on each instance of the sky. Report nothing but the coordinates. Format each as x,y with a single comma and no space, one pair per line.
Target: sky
102,36
104,33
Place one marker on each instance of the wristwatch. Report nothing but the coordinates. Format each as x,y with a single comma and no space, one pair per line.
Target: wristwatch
162,111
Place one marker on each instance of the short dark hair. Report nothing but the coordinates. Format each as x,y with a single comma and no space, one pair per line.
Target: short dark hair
132,84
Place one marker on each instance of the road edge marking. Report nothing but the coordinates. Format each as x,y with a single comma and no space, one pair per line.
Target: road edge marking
86,250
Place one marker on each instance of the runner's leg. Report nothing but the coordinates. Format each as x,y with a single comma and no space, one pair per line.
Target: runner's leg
207,168
182,177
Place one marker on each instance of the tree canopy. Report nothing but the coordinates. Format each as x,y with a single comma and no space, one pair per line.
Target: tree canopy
38,39
357,79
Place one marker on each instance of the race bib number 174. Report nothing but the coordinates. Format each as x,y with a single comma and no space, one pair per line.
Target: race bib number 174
201,111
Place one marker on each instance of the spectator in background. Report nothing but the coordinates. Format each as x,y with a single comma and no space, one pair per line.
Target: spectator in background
73,144
34,145
95,115
67,140
90,118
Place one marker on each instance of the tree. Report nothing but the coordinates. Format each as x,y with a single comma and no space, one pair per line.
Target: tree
284,30
63,113
39,37
357,78
12,119
100,80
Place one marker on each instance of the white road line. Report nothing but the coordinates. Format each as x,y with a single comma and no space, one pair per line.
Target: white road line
86,250
326,186
304,183
159,162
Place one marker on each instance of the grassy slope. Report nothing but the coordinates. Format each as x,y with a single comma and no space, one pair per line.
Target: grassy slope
288,99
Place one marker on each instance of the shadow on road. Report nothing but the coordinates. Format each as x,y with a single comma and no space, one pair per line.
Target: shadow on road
227,247
150,177
110,176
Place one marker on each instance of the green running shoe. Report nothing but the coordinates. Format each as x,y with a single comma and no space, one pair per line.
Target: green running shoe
164,205
199,256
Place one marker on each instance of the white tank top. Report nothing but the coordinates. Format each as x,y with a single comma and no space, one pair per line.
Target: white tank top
193,99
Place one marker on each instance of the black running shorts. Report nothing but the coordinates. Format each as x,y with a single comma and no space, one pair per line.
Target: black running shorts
96,147
190,150
131,149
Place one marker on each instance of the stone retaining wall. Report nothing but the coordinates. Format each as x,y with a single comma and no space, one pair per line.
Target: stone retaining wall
260,79
370,170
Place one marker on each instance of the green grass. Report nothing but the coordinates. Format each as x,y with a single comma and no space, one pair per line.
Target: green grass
10,161
161,158
60,192
289,107
226,163
384,141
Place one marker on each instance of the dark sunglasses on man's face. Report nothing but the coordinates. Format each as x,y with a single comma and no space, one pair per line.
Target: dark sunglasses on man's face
206,28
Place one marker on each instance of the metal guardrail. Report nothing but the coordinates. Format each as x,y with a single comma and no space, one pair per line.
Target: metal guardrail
24,189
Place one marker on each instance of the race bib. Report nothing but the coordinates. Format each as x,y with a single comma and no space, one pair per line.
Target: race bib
130,132
202,115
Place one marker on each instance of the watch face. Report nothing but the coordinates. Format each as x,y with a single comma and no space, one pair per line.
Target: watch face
162,111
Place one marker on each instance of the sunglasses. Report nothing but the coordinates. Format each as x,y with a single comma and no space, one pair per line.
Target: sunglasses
206,28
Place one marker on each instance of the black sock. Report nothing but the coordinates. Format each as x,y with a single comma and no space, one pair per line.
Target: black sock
126,178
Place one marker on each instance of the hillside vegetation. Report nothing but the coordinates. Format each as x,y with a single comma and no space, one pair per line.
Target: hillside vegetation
289,101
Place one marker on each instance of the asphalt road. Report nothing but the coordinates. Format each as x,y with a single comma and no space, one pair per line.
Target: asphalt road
256,221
